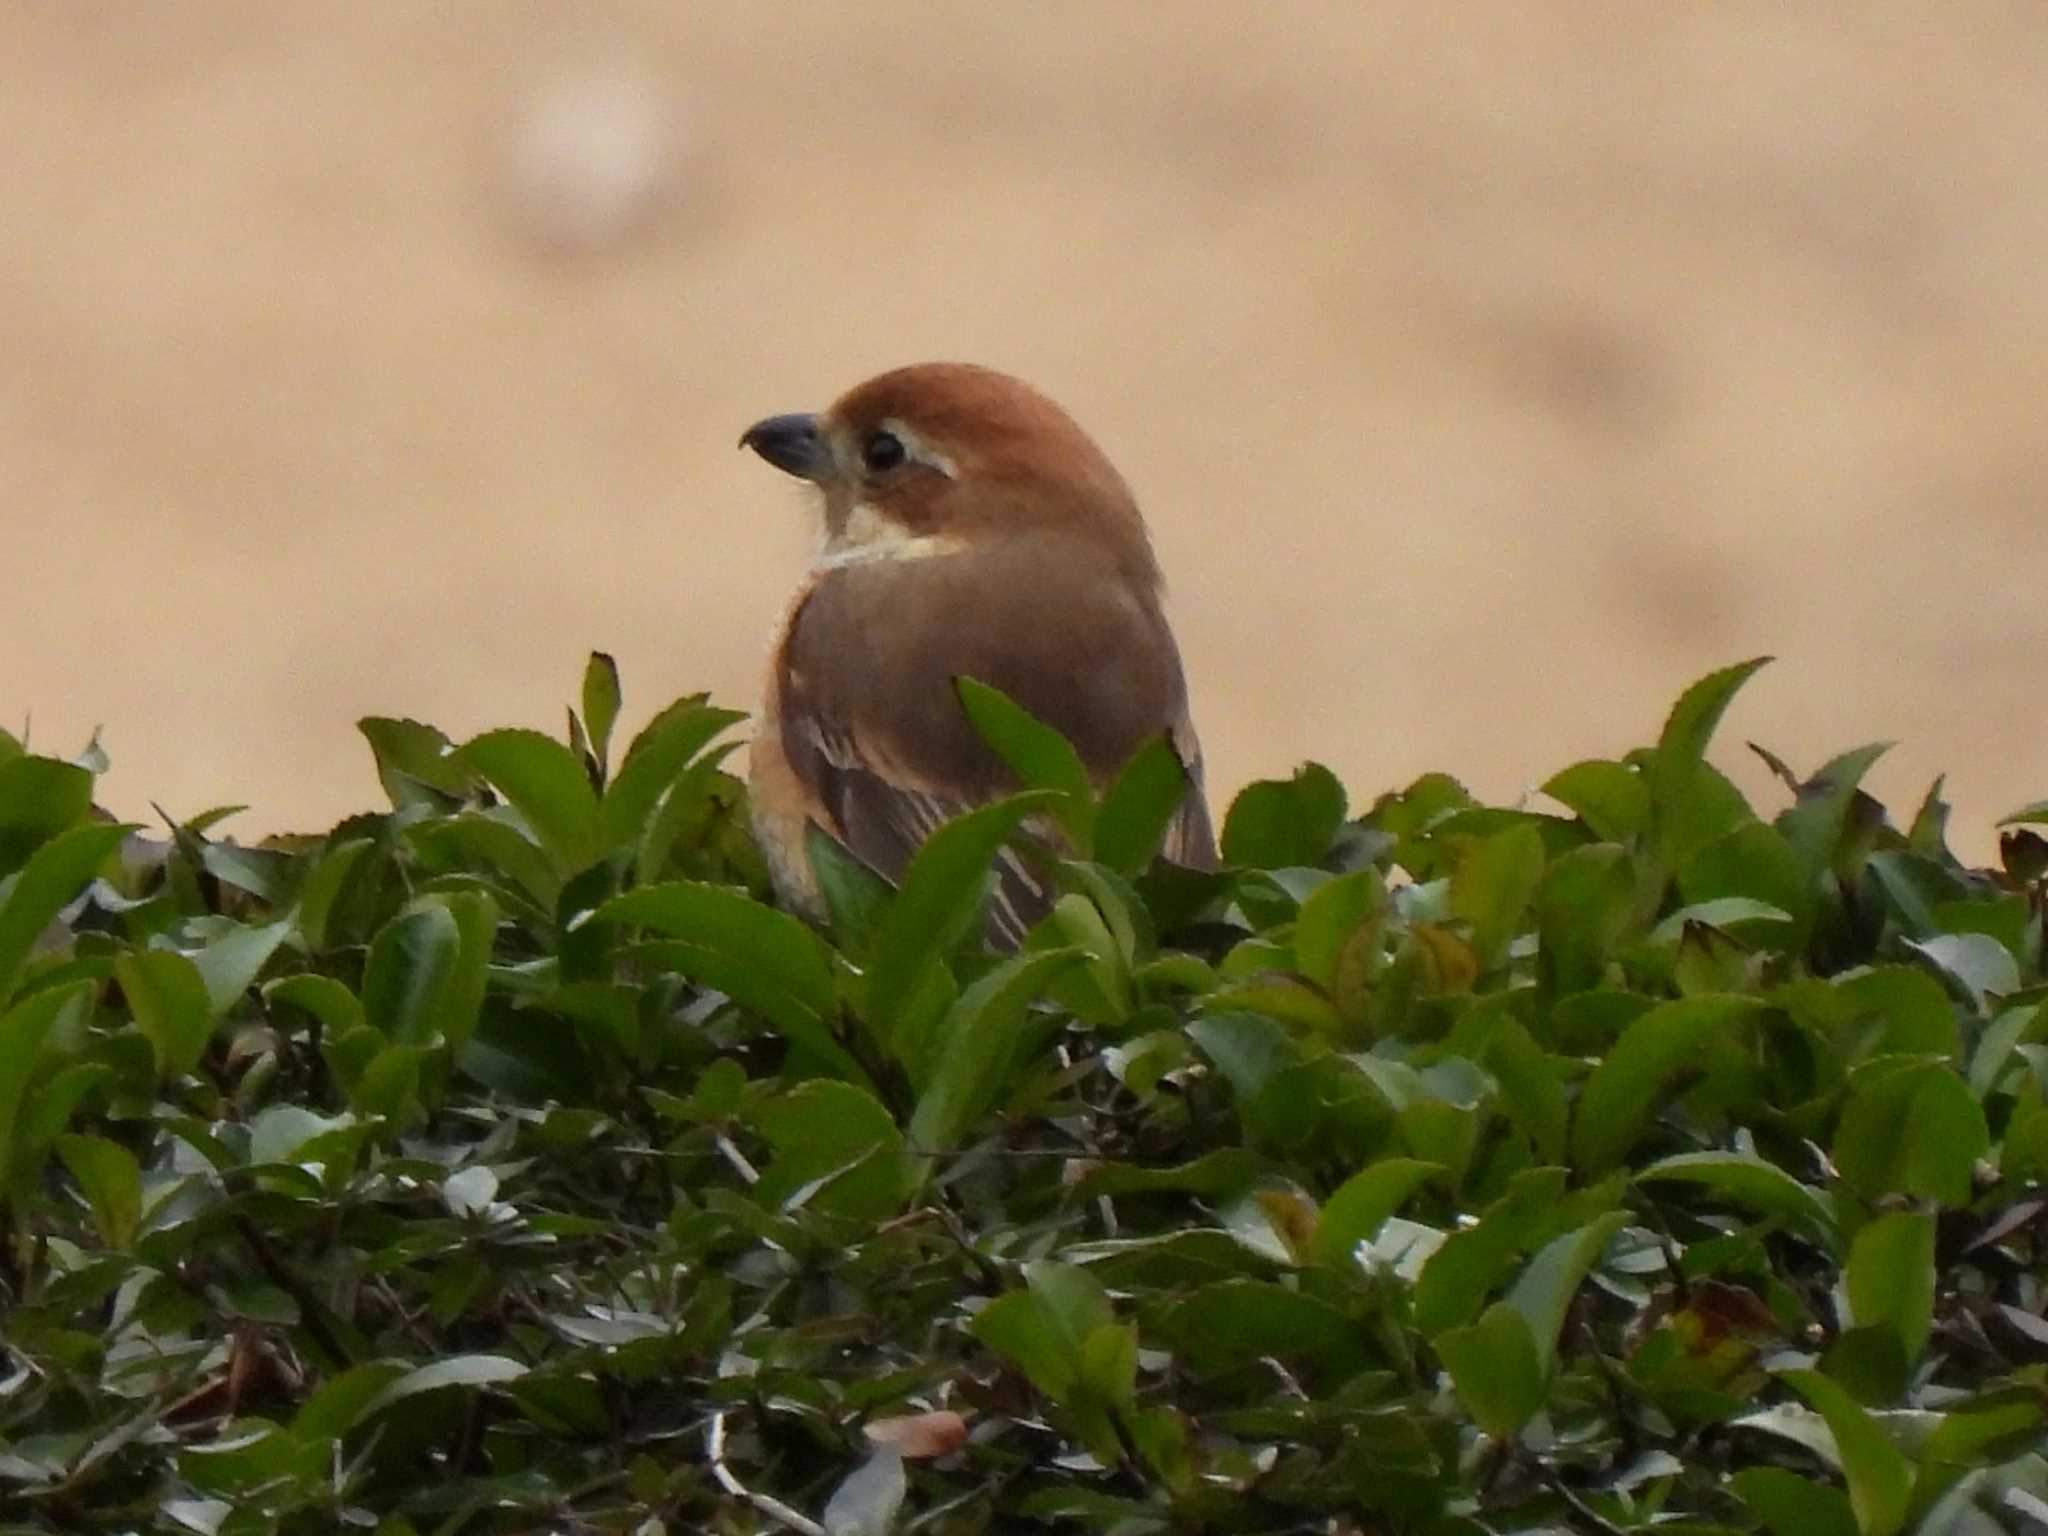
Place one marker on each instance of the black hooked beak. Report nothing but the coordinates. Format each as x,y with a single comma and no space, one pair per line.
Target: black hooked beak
793,444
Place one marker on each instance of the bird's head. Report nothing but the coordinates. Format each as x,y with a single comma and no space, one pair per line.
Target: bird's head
939,457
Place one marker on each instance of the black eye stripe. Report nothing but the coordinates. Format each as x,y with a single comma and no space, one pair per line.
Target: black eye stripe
883,451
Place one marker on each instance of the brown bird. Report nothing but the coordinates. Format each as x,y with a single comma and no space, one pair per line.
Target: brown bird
971,529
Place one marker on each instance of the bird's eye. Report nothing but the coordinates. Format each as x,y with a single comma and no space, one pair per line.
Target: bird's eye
883,451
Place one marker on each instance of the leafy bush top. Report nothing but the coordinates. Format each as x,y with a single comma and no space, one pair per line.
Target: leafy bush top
501,1162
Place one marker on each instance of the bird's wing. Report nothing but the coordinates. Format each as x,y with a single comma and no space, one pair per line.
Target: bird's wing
1190,839
883,809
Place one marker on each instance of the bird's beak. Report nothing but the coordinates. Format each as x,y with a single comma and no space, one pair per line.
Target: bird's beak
793,444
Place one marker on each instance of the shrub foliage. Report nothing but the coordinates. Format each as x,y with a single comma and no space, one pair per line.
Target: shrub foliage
502,1162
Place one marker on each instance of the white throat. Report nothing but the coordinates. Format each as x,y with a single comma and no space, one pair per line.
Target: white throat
869,538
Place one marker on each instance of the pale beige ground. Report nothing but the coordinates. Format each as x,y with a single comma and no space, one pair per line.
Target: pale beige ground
1486,378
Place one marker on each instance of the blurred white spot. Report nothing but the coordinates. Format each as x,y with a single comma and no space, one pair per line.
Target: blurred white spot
592,158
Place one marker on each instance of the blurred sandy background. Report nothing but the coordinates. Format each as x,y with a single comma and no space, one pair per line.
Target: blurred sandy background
379,358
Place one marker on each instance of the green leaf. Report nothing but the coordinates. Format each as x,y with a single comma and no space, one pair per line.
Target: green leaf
1912,1128
1235,1322
1247,1049
111,1181
1493,885
1547,1285
1014,1326
1753,861
1979,965
1879,1476
1819,819
321,996
855,896
1688,801
1625,1090
1038,755
1139,806
324,886
836,1151
761,958
1992,1426
1361,1205
454,1371
1792,1505
1584,905
39,798
1496,1369
1611,798
458,998
1109,1364
339,1403
1072,1302
1338,934
1284,823
25,1033
409,959
411,755
601,699
937,905
487,841
547,786
230,964
167,996
1532,1088
53,876
1917,1016
657,758
1753,1184
2034,814
1891,1278
982,1042
1454,1284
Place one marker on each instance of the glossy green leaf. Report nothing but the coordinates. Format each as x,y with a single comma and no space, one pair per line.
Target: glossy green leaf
1912,1128
168,998
53,876
1237,1322
1283,823
1584,905
1752,1184
652,765
324,886
230,963
1688,801
410,958
937,905
1038,755
411,755
111,1181
1879,1476
1552,1278
1610,798
39,798
1493,885
1792,1505
762,958
980,1044
1653,1054
1473,1262
1891,1279
1496,1369
837,1151
547,786
1360,1206
601,698
1139,805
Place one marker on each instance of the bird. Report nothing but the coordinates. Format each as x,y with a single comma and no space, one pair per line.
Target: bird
970,528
